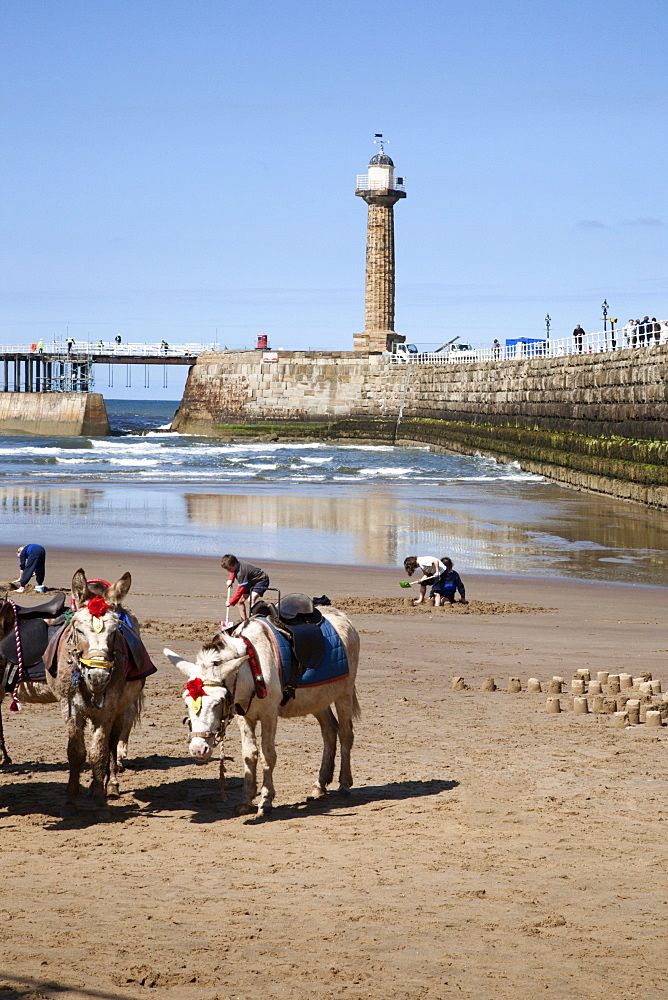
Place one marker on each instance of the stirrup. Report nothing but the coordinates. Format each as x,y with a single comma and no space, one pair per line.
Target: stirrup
288,693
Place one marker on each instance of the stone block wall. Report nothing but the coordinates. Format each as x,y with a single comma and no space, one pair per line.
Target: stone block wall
54,414
625,393
311,385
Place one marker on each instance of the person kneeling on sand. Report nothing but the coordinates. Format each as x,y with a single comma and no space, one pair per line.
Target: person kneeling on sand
432,570
251,581
449,582
32,559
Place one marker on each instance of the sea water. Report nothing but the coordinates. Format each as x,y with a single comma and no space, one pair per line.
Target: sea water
145,489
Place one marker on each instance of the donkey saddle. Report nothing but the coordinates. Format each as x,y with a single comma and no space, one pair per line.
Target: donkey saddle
34,635
299,621
296,618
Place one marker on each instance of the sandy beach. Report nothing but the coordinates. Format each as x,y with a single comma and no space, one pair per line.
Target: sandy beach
488,849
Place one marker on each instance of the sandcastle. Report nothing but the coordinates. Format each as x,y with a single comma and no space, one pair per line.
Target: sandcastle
629,701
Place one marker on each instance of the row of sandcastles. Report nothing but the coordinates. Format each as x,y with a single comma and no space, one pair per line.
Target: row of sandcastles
629,700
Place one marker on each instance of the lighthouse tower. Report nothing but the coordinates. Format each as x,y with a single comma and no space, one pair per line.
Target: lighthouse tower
380,190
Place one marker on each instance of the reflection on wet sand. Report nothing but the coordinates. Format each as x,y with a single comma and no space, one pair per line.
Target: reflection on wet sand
562,533
534,528
17,500
365,518
480,530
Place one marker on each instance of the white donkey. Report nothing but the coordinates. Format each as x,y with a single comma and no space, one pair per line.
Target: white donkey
221,684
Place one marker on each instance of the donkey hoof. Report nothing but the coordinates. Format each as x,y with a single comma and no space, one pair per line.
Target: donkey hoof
68,811
316,793
264,810
243,809
344,790
114,791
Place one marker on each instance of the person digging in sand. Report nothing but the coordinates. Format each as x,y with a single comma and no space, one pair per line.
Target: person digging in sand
432,569
449,582
443,578
32,559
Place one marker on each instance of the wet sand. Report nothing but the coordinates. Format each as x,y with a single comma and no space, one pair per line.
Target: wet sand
488,849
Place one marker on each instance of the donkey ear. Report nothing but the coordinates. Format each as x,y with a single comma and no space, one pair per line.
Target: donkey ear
79,588
117,592
6,619
186,668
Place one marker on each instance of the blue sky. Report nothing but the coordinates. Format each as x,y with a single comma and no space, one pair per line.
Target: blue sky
173,168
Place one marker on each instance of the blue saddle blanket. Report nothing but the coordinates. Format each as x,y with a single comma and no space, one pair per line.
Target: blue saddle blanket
332,667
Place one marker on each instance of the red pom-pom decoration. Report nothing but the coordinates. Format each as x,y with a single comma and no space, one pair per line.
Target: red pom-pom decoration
98,607
195,687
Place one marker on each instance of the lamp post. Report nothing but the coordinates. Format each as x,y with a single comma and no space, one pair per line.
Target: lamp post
604,307
548,321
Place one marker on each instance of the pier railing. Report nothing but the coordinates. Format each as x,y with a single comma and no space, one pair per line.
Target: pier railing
90,351
636,337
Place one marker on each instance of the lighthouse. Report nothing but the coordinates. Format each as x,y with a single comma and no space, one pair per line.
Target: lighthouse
380,190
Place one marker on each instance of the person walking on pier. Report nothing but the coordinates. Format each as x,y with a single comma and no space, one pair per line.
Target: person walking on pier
497,349
578,334
656,330
641,332
40,346
70,344
32,559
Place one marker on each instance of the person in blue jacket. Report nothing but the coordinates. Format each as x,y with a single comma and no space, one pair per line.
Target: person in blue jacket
449,582
32,559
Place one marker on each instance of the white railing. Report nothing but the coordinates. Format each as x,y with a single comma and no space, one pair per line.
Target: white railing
377,183
623,338
86,350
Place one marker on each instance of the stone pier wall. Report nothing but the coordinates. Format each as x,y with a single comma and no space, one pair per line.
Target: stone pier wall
54,414
598,421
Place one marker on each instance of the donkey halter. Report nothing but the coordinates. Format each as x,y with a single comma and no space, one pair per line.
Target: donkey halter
228,714
97,663
93,662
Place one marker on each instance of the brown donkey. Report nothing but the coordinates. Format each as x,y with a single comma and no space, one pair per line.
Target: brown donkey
89,680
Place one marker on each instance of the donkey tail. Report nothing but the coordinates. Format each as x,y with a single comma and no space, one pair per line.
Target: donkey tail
138,709
357,711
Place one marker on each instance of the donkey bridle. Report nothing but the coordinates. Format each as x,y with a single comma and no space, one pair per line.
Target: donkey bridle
94,662
232,708
226,719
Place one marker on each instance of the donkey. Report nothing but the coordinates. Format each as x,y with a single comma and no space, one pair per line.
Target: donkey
90,682
31,691
221,683
100,588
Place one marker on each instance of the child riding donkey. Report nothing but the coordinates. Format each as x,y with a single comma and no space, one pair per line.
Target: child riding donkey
252,582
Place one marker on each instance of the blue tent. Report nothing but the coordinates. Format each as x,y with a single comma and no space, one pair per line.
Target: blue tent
526,347
525,340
